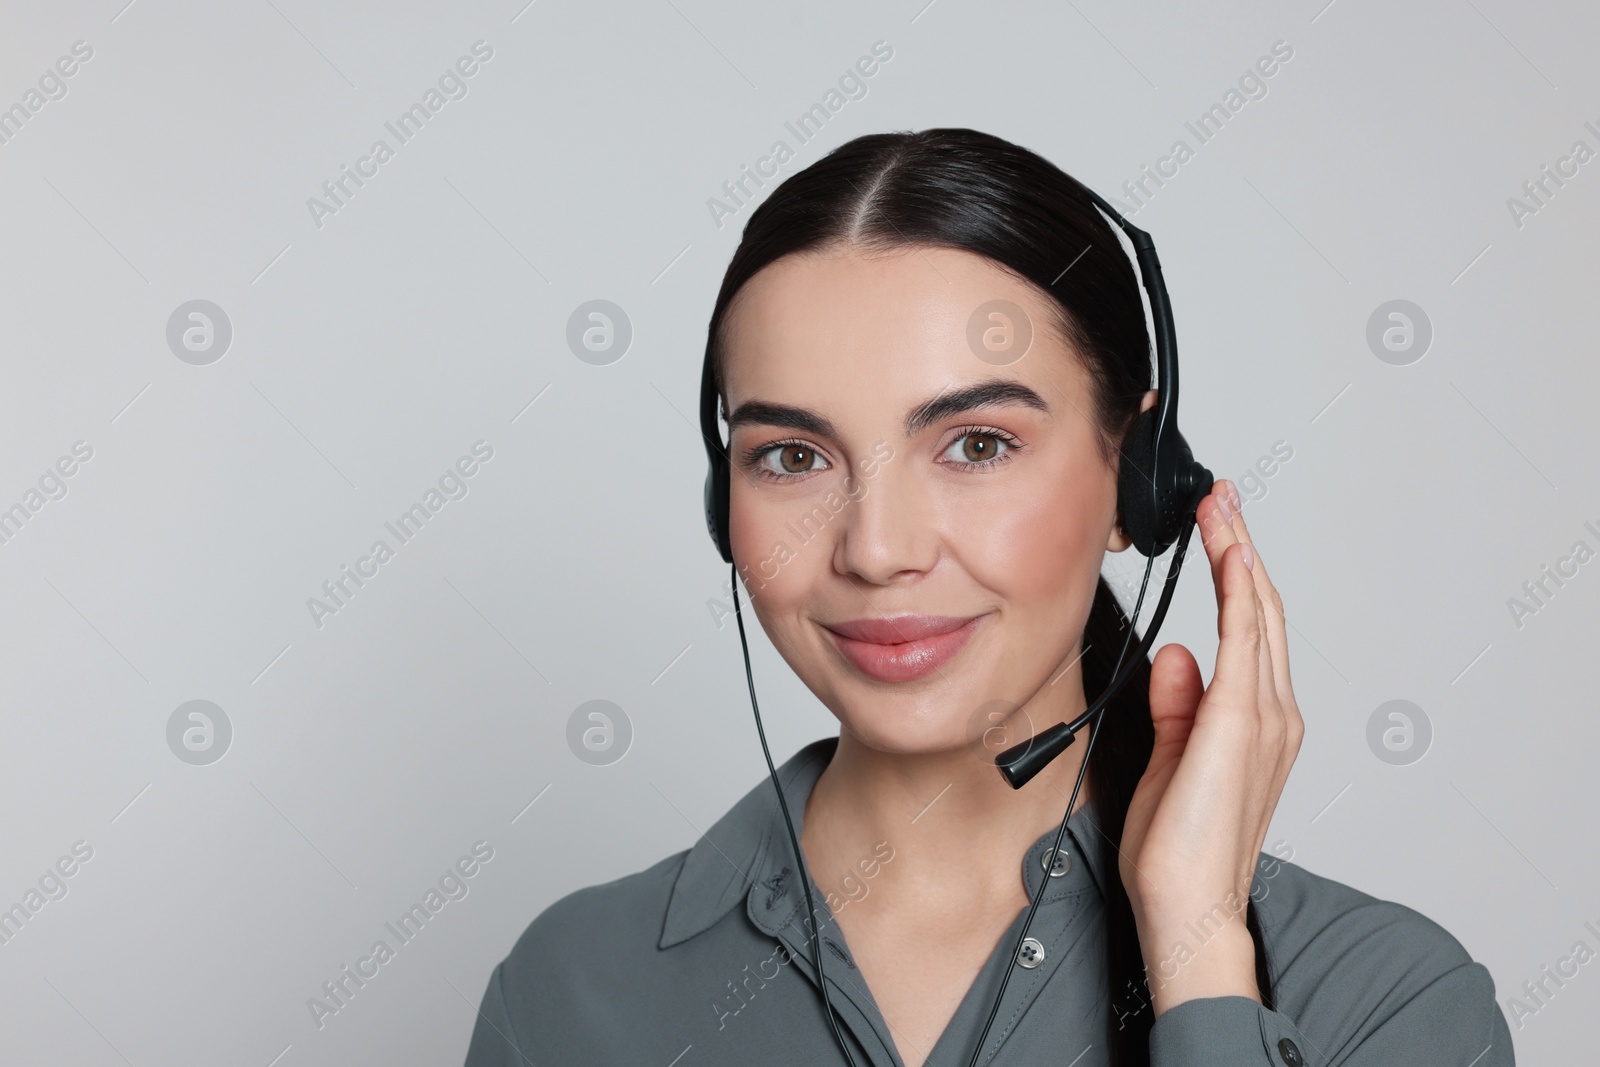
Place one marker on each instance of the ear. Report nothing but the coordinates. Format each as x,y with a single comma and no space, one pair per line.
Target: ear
1119,541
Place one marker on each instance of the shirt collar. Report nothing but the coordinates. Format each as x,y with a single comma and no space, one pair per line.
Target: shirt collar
718,871
739,848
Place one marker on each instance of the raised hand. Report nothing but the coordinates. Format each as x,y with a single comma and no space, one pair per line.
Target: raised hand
1222,752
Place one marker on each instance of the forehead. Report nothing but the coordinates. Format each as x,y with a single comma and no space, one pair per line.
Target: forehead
845,330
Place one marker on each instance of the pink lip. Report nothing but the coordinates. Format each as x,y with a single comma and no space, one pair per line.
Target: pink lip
902,647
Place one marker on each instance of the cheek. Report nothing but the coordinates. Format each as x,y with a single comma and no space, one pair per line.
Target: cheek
782,565
776,550
1042,544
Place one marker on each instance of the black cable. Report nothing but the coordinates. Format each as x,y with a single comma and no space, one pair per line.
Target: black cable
805,878
1096,712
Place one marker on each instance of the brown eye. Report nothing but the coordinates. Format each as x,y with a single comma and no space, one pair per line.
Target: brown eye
792,459
979,447
796,459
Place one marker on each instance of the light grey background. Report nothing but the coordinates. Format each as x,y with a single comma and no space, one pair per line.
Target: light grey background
430,312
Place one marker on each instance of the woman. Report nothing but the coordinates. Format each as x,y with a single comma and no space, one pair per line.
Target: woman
920,528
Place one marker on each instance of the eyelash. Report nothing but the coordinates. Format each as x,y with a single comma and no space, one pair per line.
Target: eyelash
753,456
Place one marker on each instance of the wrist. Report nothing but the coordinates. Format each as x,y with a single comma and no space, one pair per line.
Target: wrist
1212,956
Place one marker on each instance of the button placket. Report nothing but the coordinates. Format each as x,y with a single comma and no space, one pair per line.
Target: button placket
1055,929
775,903
847,991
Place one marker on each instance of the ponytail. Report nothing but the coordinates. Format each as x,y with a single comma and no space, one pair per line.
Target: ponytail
1121,754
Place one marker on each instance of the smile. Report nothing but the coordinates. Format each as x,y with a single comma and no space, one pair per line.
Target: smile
902,648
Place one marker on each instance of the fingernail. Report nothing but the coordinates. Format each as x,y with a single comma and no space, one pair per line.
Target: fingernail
1233,491
1226,508
1249,555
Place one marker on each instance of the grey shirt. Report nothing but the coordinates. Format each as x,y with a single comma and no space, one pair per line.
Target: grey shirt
702,959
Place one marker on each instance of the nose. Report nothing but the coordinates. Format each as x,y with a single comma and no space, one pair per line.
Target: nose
890,530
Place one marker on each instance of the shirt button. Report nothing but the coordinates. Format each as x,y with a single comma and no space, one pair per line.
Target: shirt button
1289,1053
1031,954
1062,864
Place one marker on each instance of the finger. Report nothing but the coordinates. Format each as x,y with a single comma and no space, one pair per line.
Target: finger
1266,687
1236,518
1287,725
1277,634
1238,629
1241,530
1214,515
1268,703
1268,720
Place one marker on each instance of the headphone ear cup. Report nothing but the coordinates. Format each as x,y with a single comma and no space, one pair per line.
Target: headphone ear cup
716,500
1137,507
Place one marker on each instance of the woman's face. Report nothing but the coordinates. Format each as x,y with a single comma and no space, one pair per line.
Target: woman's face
866,493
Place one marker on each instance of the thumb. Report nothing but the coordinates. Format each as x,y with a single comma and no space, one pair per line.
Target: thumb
1175,692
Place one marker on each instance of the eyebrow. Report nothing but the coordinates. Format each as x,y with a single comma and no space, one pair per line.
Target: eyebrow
991,392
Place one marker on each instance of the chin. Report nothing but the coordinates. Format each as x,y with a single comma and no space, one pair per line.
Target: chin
908,727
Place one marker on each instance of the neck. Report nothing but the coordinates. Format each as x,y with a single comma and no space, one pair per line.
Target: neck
956,829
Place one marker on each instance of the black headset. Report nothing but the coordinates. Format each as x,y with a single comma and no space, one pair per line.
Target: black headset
1159,486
